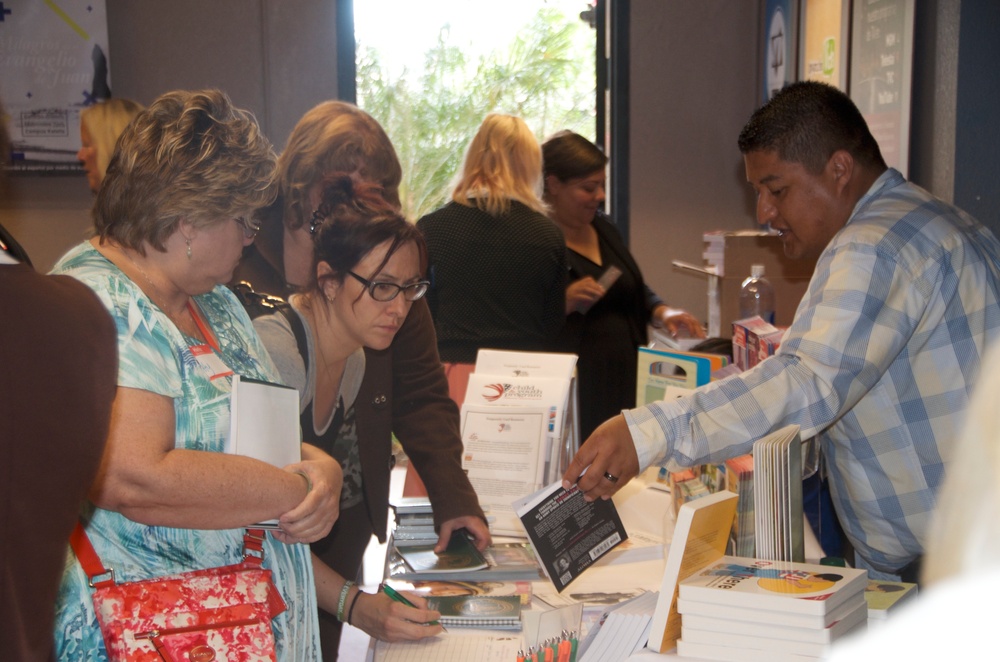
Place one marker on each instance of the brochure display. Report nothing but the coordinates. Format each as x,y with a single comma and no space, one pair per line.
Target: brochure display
519,428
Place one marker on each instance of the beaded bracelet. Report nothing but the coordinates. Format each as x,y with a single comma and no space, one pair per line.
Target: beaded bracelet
350,612
343,600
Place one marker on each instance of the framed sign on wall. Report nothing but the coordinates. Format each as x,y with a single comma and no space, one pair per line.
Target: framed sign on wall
825,28
781,30
54,61
882,74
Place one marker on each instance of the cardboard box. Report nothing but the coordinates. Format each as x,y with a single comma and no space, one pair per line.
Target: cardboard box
734,252
748,348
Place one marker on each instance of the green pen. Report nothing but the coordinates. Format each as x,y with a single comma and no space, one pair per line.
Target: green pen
394,595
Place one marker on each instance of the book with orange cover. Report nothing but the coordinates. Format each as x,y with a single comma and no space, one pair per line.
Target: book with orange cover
700,538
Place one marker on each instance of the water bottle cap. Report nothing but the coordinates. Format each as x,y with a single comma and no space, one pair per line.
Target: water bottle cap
757,270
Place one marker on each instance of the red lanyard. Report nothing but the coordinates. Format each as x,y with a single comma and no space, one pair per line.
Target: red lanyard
206,332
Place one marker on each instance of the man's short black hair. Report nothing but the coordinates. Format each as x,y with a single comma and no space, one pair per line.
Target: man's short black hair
806,122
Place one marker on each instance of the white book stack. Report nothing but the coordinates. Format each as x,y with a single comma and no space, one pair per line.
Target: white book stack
623,630
740,609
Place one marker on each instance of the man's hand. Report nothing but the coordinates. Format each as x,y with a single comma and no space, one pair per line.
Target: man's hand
609,451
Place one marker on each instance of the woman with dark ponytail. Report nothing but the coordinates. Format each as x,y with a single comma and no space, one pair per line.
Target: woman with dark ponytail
367,270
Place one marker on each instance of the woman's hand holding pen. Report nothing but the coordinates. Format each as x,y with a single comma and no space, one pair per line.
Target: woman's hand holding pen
388,620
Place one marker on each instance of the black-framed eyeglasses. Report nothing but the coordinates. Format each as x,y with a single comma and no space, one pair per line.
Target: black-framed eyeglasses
386,291
250,229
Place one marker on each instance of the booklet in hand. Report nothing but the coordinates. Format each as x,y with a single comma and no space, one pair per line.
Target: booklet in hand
460,556
569,533
264,424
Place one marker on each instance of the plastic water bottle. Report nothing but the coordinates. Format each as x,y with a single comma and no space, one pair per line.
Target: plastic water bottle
757,296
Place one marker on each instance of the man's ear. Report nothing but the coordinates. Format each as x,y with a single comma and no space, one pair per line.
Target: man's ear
841,168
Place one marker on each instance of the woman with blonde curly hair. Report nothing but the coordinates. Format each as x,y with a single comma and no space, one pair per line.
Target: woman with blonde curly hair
172,218
497,263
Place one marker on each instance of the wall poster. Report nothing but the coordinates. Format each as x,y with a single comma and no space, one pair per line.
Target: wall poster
824,34
53,54
781,29
881,74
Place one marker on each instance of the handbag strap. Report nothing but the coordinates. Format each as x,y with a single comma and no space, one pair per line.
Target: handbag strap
253,554
89,560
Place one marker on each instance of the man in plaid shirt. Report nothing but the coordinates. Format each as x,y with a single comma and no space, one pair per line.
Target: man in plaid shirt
885,347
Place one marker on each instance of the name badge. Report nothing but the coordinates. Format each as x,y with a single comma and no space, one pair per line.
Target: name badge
210,361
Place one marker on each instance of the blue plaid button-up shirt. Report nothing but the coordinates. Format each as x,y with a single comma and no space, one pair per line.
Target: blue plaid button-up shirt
878,365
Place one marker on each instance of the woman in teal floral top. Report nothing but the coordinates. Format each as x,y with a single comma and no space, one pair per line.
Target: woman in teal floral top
172,218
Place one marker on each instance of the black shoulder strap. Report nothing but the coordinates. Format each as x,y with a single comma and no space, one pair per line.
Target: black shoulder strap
260,303
298,329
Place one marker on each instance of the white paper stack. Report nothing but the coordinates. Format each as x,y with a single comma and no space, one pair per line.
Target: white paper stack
739,609
623,630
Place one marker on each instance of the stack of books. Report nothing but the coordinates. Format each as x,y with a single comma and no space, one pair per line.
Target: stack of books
622,630
411,555
739,609
885,598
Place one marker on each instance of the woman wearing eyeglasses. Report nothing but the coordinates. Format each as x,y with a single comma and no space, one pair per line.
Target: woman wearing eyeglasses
367,270
172,217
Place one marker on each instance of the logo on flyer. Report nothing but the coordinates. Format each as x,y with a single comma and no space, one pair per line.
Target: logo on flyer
494,392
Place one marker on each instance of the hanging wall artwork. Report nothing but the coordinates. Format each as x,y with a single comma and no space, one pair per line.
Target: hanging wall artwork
54,58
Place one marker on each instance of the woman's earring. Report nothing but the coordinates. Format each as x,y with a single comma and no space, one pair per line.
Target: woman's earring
189,249
314,222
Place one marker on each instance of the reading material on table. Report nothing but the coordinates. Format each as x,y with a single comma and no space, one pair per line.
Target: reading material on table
622,631
460,555
738,608
489,612
700,538
567,532
470,646
884,597
264,424
503,450
777,460
507,562
802,588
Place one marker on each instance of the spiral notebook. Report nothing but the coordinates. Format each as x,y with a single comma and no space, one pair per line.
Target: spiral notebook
489,612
